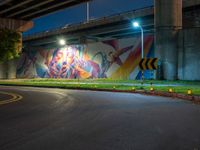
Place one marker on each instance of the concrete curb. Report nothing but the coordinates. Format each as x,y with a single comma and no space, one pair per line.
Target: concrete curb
193,98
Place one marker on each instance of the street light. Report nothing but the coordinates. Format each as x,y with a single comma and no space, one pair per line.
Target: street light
88,11
62,42
137,25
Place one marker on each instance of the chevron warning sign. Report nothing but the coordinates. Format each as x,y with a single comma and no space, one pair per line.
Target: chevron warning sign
148,64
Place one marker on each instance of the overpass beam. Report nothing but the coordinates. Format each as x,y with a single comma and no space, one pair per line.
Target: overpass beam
17,25
168,21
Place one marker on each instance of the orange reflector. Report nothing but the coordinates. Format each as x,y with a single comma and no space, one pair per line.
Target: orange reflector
170,90
151,89
189,92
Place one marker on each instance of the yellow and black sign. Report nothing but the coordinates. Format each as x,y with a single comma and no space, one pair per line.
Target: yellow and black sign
148,64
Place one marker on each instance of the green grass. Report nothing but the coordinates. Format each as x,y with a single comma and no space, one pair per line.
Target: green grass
181,86
111,81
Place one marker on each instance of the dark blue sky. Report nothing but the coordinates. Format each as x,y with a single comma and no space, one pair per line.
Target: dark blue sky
99,8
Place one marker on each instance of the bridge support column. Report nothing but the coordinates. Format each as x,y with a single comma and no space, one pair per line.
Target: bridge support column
8,69
3,71
168,21
12,69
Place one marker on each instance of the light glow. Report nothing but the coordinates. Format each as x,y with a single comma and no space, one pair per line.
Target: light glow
136,24
62,42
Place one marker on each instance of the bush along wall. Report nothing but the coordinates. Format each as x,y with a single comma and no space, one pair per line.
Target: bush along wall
9,45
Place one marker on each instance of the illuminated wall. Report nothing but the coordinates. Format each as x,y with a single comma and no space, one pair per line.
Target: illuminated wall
117,59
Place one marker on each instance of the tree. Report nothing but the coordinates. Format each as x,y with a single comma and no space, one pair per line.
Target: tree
9,39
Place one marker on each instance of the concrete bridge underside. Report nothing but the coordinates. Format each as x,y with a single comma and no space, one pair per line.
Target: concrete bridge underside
30,9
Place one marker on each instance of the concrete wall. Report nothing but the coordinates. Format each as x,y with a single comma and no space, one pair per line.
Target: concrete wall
189,54
116,59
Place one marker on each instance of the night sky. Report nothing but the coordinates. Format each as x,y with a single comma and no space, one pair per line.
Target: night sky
99,8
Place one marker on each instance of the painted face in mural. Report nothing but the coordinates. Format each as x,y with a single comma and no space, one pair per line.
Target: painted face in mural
70,56
58,56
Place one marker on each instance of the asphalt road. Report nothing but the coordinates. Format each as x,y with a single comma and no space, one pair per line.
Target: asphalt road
56,119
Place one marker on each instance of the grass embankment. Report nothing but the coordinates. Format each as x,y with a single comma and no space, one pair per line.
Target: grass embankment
126,85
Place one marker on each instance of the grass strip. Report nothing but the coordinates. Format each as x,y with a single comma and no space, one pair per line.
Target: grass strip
109,84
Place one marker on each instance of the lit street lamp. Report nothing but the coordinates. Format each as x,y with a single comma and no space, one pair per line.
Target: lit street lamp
137,25
62,42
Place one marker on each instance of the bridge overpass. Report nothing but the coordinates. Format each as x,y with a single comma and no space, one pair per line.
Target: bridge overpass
116,26
111,27
175,24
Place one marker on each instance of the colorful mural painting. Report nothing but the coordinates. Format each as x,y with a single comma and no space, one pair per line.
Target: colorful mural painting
108,59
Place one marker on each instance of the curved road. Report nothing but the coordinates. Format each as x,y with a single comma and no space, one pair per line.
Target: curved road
56,119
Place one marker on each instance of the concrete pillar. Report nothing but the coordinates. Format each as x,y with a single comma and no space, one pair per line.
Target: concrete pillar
8,69
189,54
3,71
12,69
168,21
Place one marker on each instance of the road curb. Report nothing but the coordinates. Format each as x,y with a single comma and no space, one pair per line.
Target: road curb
193,98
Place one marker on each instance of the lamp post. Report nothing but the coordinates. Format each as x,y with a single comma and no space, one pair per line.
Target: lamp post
88,11
137,25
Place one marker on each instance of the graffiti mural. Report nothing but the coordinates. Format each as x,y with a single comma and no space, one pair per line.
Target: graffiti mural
107,59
